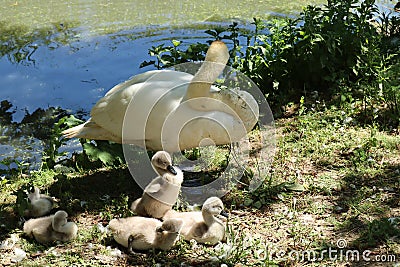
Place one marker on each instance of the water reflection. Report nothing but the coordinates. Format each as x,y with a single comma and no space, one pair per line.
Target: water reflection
19,44
48,73
24,141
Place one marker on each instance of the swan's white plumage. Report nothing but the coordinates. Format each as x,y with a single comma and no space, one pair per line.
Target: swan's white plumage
146,233
40,204
205,226
162,192
135,111
51,228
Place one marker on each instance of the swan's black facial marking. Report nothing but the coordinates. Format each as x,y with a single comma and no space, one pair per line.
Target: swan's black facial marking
32,189
224,213
171,169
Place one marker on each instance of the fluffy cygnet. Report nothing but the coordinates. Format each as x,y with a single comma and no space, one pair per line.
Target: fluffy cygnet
141,233
161,194
205,226
39,204
51,228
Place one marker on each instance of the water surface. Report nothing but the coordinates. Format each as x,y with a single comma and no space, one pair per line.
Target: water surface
111,16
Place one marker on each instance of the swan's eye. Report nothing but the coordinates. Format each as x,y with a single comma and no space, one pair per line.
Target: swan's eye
162,162
217,207
165,228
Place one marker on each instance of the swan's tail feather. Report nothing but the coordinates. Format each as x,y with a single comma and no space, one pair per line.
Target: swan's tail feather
73,132
90,130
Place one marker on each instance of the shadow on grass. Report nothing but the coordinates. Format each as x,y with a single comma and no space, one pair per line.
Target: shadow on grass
9,220
372,202
105,191
95,192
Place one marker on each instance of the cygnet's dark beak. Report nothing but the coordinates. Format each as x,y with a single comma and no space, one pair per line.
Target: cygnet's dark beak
171,169
225,214
159,230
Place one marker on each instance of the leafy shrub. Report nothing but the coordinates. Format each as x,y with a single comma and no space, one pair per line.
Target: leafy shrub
345,48
95,153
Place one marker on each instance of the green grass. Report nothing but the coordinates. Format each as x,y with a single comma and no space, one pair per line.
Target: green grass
330,180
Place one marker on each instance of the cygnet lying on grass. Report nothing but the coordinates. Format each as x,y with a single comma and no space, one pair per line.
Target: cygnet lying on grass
205,226
161,194
140,233
51,228
39,204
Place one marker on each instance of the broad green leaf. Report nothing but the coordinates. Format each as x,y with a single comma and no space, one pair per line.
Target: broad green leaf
176,42
294,187
248,202
257,204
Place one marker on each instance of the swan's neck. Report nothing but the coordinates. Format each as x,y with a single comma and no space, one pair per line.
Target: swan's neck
203,79
165,240
159,170
35,195
174,179
209,218
59,225
65,228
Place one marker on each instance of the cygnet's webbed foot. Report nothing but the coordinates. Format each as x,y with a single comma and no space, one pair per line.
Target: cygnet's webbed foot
131,239
139,253
130,244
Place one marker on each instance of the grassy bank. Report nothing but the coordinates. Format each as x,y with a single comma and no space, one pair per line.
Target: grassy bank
332,195
347,188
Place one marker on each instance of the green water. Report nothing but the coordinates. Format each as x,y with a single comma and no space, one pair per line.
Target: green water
101,17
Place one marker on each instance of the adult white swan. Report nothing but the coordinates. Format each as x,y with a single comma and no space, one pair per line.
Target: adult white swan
172,110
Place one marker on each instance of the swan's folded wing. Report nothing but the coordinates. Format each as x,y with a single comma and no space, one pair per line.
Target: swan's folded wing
142,77
145,90
109,111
